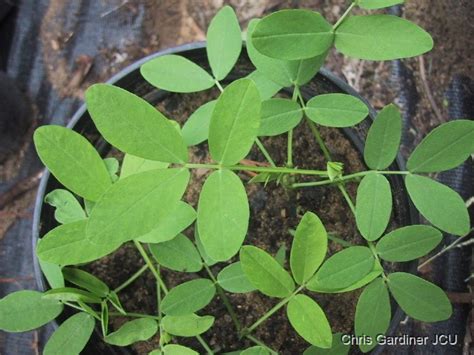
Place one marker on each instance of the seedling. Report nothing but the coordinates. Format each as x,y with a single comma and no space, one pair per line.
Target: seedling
99,210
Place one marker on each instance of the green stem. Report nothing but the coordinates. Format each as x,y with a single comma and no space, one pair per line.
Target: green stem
348,199
343,17
260,343
204,345
264,152
94,314
289,159
219,86
131,279
347,177
319,139
150,266
133,315
275,308
258,169
224,298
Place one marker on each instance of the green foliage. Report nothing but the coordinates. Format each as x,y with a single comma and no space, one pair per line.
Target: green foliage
309,321
188,297
196,128
374,206
265,273
223,215
377,4
173,349
408,243
178,254
112,166
232,279
25,310
444,148
176,74
255,350
336,110
134,126
72,160
224,42
309,248
134,165
344,268
72,335
266,87
68,208
381,37
52,273
418,298
279,116
439,204
71,294
188,325
235,122
133,331
337,348
86,280
293,35
383,139
373,313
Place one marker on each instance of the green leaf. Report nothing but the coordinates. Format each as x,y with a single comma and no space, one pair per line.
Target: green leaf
68,209
188,325
223,215
373,314
233,279
337,348
408,243
173,349
255,350
178,254
104,318
86,280
336,110
68,245
383,138
26,310
309,247
196,128
72,160
439,204
292,35
180,217
224,42
279,116
145,197
381,37
188,297
134,126
115,301
418,298
344,268
134,165
283,72
207,259
376,271
373,206
133,331
176,74
234,122
377,4
112,166
71,294
265,86
52,273
280,255
444,148
309,321
72,335
264,272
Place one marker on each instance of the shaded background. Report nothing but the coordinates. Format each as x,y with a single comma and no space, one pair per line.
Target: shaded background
55,49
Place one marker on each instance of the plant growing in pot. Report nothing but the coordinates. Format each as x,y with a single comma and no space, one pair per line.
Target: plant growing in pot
101,211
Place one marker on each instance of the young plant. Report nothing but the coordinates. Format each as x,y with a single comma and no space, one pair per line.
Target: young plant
102,209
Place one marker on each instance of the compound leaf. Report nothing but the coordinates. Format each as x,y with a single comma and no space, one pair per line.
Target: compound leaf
188,297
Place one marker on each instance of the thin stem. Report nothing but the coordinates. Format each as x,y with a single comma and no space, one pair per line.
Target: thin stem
219,86
347,198
133,315
204,345
132,278
259,169
260,343
343,17
264,152
289,159
347,177
94,314
224,298
150,266
319,139
272,311
441,252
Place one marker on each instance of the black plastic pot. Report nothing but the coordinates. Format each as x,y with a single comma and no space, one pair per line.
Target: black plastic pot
131,80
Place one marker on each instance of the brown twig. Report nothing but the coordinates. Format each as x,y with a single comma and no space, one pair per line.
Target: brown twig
20,188
427,88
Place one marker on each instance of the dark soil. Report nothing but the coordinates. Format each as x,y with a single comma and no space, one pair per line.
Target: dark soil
274,211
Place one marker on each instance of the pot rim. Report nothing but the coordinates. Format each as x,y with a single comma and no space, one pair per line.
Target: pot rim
398,315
